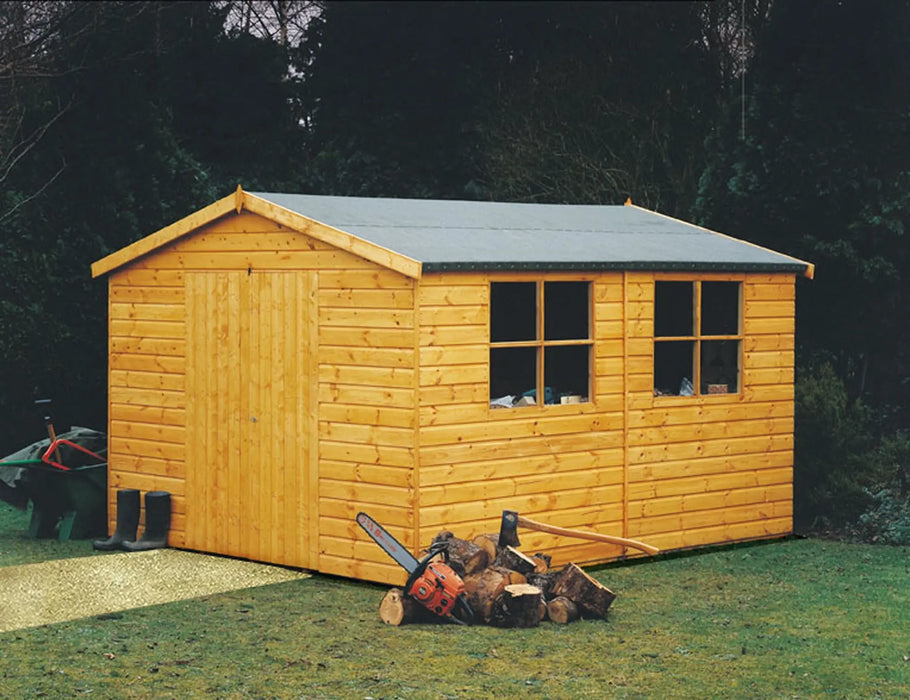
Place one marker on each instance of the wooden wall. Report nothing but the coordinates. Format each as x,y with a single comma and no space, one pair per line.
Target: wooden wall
362,405
561,464
673,471
713,469
367,412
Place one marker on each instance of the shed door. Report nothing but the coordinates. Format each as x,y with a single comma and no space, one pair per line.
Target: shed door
249,428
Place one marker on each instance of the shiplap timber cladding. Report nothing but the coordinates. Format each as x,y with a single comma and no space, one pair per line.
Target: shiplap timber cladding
277,374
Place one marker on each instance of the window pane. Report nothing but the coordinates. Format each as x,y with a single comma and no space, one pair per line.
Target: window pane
513,371
565,310
673,307
674,367
565,371
720,366
720,308
513,311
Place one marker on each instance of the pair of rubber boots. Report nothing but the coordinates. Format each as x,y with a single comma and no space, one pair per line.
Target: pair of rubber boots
157,522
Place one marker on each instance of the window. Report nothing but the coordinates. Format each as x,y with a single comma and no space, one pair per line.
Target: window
697,338
540,343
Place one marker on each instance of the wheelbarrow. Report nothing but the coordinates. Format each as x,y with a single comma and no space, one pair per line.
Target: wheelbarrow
65,478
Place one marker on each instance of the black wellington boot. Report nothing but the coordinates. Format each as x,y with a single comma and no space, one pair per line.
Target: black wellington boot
127,521
157,523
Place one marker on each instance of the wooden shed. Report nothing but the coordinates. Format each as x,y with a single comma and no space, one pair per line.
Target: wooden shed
279,362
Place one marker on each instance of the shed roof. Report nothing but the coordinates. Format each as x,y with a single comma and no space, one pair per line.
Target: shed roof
422,235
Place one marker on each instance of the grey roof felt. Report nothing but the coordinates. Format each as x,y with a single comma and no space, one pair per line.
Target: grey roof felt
459,235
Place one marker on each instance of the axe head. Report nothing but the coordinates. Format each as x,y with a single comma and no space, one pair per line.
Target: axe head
508,530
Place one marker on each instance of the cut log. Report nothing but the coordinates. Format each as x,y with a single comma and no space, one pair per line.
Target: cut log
483,588
514,576
561,610
489,543
397,609
511,558
592,598
541,563
519,605
467,558
544,582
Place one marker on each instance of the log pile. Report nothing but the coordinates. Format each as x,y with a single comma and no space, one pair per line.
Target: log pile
507,588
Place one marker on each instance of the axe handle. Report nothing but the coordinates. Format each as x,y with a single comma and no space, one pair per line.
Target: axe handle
553,530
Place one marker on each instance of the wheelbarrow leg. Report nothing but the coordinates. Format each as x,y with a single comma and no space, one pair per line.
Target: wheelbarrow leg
47,507
43,522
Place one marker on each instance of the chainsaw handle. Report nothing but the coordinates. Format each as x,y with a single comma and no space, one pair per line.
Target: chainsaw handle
435,548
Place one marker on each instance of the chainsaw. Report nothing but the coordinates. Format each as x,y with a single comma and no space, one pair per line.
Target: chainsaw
433,584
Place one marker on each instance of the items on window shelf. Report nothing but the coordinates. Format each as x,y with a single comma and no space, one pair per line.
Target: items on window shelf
503,401
529,398
547,395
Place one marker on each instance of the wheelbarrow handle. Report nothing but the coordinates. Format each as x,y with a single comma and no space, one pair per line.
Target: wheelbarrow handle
52,450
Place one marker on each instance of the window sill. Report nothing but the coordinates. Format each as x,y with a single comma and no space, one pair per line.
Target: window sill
535,409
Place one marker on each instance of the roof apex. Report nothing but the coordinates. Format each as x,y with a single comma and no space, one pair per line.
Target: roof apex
239,200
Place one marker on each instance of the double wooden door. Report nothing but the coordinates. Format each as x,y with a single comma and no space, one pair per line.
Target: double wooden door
250,422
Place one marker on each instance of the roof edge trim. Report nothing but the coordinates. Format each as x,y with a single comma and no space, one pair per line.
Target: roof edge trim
637,266
236,202
334,236
806,268
166,235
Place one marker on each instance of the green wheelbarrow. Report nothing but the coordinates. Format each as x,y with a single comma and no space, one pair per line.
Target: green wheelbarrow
65,478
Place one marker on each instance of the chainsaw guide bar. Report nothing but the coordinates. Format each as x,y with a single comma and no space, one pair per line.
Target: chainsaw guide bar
433,584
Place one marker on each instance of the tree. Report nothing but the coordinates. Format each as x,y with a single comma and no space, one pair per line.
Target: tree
821,174
391,96
602,101
164,113
281,21
27,31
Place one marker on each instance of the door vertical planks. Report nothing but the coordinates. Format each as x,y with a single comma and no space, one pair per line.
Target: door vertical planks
247,418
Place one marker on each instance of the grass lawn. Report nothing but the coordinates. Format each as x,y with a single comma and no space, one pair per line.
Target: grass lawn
795,618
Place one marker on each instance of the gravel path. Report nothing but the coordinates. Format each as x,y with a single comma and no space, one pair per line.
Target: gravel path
67,589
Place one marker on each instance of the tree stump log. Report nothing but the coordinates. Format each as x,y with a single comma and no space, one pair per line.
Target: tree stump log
592,598
561,610
544,582
397,609
541,563
489,543
519,605
483,588
511,558
467,558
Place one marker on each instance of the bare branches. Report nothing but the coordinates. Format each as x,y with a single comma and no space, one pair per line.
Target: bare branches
284,21
21,145
34,194
27,31
731,29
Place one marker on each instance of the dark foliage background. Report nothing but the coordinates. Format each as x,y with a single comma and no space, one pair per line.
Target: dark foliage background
785,122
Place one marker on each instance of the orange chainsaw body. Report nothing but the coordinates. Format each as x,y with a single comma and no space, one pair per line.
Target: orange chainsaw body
437,587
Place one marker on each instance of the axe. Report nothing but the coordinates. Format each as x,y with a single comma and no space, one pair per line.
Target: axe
508,534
